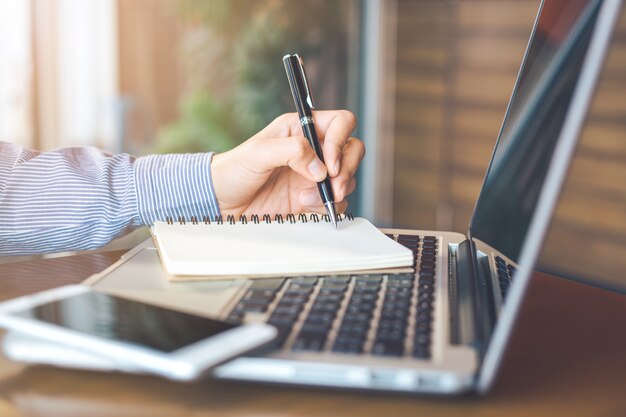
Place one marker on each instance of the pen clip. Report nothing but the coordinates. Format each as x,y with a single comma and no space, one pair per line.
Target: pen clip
309,97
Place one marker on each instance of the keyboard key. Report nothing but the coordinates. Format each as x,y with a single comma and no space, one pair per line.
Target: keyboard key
287,309
426,257
423,327
259,294
359,316
313,342
293,300
422,339
250,308
303,287
350,337
399,297
366,290
390,334
355,309
349,346
363,304
324,308
268,284
393,314
511,269
359,297
282,320
411,242
392,324
328,290
312,327
368,279
423,315
329,298
425,287
424,296
337,280
310,281
400,284
298,291
421,352
388,348
406,276
397,305
398,293
354,328
427,280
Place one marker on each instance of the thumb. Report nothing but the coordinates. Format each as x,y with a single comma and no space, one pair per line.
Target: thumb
295,152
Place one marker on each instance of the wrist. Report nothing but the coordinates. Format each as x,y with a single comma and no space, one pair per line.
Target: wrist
227,193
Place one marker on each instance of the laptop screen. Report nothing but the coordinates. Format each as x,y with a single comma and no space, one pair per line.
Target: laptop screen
533,124
545,114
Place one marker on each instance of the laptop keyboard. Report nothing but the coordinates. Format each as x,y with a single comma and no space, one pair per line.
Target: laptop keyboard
377,314
505,273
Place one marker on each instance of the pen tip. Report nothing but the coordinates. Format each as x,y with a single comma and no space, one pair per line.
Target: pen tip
332,215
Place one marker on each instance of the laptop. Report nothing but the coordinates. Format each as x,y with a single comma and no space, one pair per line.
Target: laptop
442,326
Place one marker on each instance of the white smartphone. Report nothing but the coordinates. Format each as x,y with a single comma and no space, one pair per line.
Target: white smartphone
129,334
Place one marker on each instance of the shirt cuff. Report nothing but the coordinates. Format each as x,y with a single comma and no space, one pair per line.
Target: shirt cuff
175,186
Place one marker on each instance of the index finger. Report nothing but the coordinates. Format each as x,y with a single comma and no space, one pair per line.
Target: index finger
335,128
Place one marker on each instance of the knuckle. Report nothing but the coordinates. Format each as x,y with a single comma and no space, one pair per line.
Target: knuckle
362,149
286,118
359,146
349,117
280,119
300,146
282,124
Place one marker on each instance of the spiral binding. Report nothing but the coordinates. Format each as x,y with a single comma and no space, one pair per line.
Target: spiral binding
265,218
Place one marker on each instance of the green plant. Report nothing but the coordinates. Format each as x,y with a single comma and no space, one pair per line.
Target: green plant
232,52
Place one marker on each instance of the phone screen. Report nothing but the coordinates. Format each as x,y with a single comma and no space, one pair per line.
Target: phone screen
115,318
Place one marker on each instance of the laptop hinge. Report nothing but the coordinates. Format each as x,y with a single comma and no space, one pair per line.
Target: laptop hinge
470,309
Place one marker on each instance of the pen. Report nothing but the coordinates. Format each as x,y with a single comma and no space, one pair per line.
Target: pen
301,93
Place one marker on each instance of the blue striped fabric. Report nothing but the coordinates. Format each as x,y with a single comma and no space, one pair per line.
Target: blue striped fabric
81,198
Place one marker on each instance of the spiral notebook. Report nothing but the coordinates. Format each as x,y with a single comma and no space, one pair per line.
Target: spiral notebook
306,244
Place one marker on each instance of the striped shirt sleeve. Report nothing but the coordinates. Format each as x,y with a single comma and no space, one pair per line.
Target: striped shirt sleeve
81,198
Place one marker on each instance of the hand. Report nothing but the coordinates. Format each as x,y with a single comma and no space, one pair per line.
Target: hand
276,170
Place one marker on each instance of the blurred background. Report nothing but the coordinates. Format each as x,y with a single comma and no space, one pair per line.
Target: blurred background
429,81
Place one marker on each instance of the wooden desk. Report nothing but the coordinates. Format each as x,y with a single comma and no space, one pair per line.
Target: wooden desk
567,358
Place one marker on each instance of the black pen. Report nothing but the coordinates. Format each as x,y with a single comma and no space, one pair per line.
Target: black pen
304,104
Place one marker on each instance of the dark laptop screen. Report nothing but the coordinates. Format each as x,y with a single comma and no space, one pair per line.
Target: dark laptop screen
533,123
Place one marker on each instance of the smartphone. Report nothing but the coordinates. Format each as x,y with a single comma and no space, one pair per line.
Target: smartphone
130,334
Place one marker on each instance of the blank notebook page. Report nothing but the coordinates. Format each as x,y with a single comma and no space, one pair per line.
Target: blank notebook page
276,248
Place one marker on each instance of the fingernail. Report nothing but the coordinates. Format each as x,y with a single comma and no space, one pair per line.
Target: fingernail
317,169
310,197
336,167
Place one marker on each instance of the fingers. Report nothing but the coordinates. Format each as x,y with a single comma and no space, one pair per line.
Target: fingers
352,155
310,199
346,189
344,183
333,126
265,155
